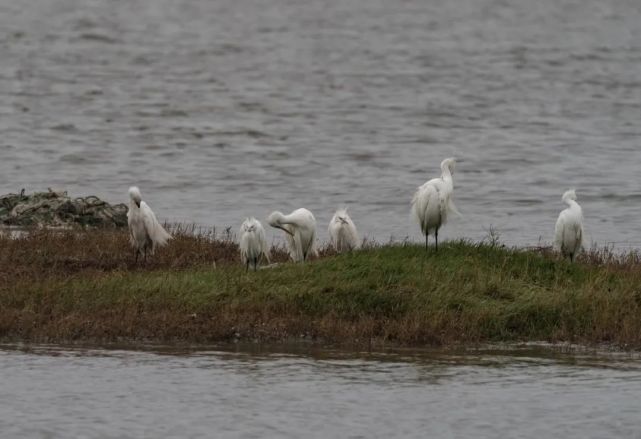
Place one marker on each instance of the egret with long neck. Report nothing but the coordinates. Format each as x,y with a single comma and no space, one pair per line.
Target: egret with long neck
145,232
300,232
432,202
253,244
342,232
568,233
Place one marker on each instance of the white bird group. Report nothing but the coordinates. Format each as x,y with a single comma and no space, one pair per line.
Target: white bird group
300,233
432,204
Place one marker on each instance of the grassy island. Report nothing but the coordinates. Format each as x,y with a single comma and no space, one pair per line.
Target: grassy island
84,285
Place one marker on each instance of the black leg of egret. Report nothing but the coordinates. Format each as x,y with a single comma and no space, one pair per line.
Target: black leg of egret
427,232
436,238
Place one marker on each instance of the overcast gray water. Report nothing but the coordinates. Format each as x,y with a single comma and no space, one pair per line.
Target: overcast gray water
526,392
222,109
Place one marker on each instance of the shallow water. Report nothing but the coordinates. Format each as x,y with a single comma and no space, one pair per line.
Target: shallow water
525,392
222,109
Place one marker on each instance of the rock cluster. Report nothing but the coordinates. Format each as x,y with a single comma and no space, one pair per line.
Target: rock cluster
58,209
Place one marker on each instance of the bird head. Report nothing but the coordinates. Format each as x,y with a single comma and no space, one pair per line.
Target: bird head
275,220
569,195
341,216
134,195
250,225
449,164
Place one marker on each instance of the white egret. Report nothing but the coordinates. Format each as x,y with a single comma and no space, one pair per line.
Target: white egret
342,232
300,229
432,201
252,243
568,233
145,231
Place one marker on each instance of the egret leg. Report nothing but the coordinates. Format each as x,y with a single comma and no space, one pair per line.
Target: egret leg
427,233
136,256
436,238
255,264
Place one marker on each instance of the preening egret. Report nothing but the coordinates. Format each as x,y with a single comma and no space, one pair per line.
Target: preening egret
300,229
432,201
145,231
568,233
342,232
252,243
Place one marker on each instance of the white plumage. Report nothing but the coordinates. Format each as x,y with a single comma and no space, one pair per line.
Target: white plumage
568,233
342,232
300,229
145,231
252,243
432,201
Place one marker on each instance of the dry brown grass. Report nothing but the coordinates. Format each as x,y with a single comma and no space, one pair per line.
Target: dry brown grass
59,253
84,284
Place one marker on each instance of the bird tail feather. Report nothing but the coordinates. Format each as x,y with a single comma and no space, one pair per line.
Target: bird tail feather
451,207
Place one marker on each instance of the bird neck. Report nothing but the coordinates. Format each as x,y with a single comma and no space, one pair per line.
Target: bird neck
447,177
445,172
572,204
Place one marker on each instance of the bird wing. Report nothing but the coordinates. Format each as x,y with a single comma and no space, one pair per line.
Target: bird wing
243,244
452,207
427,198
156,232
350,235
298,245
579,236
333,229
263,241
559,232
311,249
355,240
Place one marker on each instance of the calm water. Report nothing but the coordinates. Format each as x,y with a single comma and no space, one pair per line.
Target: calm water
525,392
222,109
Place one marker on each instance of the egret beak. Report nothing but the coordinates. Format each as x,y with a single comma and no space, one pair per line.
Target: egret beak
285,230
343,220
138,204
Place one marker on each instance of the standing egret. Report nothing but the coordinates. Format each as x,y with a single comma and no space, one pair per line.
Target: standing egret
342,232
252,243
568,233
432,201
300,229
144,229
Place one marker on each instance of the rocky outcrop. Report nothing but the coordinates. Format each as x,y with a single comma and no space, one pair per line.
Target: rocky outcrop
58,209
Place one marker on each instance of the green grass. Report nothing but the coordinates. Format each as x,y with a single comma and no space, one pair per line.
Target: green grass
465,293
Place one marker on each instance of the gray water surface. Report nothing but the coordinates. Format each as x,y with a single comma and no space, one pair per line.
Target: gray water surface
223,109
518,392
